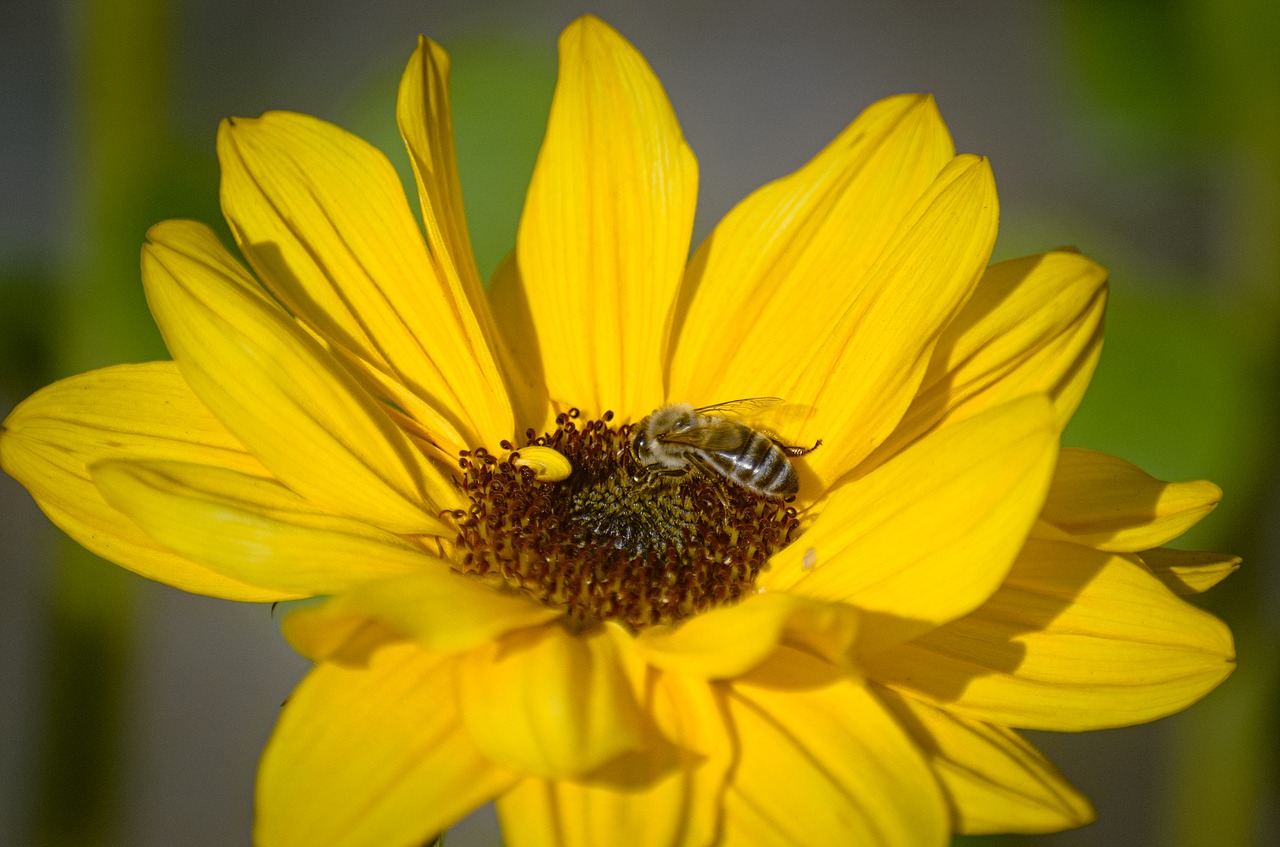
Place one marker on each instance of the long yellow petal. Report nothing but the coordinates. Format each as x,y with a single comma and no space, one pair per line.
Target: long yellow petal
374,755
993,779
439,608
425,119
1103,501
605,231
647,799
798,250
827,766
1189,571
280,392
930,535
123,412
731,640
545,702
1033,325
321,216
252,529
1077,639
851,369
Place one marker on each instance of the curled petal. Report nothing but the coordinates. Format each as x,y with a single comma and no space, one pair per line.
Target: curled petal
370,755
730,640
1076,639
548,703
273,385
646,799
1105,502
993,779
442,610
126,412
1189,571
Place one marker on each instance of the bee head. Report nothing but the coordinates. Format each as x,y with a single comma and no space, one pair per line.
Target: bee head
641,448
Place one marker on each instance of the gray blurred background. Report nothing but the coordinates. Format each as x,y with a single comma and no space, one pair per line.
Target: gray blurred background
1146,133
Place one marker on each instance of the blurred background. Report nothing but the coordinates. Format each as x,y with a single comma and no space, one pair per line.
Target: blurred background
1146,133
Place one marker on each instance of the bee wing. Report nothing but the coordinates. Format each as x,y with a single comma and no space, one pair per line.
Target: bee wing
710,433
746,407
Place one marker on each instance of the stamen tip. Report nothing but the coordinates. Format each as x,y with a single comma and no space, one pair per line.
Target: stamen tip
548,465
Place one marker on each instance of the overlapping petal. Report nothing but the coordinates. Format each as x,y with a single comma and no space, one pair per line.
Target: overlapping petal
321,216
1189,571
442,610
606,226
826,766
426,124
852,368
547,703
372,755
252,529
799,249
728,641
130,412
994,781
930,535
1033,325
280,392
1105,502
651,799
1076,639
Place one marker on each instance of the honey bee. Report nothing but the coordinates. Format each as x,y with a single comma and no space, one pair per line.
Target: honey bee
677,438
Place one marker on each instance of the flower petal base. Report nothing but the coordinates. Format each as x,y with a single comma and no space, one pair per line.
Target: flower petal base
610,541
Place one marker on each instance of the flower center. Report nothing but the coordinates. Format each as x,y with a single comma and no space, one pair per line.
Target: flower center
613,541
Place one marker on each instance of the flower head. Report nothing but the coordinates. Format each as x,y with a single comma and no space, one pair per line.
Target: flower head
554,569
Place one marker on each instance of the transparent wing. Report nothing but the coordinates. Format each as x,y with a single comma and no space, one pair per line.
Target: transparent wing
744,408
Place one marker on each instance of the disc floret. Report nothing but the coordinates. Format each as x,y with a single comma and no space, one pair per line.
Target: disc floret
612,541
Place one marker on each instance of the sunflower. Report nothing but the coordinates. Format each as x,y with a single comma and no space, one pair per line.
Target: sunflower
512,602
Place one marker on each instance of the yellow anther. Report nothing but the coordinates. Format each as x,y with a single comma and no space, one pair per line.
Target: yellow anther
548,465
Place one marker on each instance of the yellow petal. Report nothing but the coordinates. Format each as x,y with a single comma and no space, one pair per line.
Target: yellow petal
928,536
1033,325
1103,501
605,231
371,756
798,250
1076,639
853,364
441,609
549,703
731,640
650,801
827,766
280,393
321,216
522,354
993,779
123,412
252,529
1189,571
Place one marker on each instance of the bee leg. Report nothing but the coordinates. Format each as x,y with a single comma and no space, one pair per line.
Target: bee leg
795,450
655,473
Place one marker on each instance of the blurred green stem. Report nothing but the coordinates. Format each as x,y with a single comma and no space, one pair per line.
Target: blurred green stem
120,69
